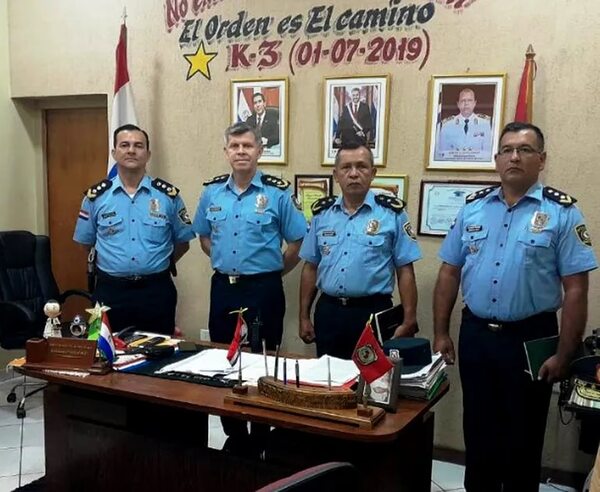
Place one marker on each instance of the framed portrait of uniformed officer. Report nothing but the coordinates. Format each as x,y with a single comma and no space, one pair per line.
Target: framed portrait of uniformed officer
263,104
355,110
464,120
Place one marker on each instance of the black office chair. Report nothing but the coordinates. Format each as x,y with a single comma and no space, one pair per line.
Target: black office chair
333,476
26,284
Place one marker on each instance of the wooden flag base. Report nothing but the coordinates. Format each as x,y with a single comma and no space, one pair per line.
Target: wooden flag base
240,389
350,416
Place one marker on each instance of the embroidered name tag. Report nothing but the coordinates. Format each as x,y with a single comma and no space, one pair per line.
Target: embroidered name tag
108,215
214,209
328,233
474,228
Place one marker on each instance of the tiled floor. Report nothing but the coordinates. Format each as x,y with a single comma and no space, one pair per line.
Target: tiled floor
22,441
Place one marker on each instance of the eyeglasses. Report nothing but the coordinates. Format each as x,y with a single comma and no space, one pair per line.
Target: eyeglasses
524,151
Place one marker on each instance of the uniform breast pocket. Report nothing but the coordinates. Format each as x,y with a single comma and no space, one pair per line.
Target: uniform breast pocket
474,242
372,248
259,225
327,246
156,230
536,248
216,221
109,227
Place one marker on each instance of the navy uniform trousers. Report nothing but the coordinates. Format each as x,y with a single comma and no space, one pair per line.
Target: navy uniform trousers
501,403
262,294
339,323
147,302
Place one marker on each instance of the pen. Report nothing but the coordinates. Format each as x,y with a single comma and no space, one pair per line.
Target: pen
297,374
285,370
276,361
264,344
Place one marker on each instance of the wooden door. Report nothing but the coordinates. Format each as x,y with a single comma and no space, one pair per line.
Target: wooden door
76,156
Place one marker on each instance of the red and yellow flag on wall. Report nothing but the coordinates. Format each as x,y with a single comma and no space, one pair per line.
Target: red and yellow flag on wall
524,109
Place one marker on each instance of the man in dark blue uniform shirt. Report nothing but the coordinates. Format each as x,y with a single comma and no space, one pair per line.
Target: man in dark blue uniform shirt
521,251
138,226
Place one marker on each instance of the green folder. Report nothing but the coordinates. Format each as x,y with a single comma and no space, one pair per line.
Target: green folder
539,351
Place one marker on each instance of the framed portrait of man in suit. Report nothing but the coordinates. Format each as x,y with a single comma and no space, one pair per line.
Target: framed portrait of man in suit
355,109
263,104
465,118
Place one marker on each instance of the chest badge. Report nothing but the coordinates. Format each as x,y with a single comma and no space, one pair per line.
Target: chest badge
154,206
539,221
325,250
261,203
473,248
373,227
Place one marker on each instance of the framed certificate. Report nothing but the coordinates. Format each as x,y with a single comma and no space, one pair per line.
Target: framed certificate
309,188
440,202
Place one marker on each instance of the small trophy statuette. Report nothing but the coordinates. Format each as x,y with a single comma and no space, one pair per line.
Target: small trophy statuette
52,327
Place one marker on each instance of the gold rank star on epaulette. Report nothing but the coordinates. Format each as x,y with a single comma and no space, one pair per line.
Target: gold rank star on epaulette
483,116
322,204
559,196
95,191
167,188
217,179
282,184
479,194
391,202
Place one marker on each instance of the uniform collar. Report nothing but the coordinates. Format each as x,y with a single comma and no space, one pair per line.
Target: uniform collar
535,192
369,201
472,118
256,181
146,182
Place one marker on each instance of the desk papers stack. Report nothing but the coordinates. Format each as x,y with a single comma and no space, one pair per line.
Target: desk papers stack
214,363
424,384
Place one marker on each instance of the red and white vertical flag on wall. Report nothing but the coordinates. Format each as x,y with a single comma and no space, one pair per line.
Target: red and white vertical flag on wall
123,110
524,109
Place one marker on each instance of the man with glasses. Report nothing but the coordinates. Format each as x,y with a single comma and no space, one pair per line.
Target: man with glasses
521,251
356,245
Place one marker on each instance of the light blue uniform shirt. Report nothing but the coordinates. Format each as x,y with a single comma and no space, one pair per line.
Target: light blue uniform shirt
356,255
133,236
246,229
513,258
473,145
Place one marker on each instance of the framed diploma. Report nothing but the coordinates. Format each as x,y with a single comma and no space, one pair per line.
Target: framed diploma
440,202
309,188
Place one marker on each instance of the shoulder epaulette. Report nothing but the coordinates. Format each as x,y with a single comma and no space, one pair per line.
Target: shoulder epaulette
217,179
559,196
479,194
392,202
449,118
95,191
483,116
269,180
322,204
167,188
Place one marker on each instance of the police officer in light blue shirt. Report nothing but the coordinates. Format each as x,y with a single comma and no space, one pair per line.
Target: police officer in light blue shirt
242,220
521,251
357,244
138,226
466,136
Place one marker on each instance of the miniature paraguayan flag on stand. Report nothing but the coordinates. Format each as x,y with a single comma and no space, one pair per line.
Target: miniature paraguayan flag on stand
106,344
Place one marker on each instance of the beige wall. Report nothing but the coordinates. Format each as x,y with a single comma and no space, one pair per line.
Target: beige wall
68,50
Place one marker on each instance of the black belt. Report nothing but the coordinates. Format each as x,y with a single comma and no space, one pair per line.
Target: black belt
236,279
497,325
132,279
365,301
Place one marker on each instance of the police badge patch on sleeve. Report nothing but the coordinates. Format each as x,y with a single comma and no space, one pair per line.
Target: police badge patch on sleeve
583,235
184,216
410,232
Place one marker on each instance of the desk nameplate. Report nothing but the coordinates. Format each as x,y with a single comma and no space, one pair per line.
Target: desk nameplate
62,354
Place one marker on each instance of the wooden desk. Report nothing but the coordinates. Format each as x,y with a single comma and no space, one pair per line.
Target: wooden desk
129,432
